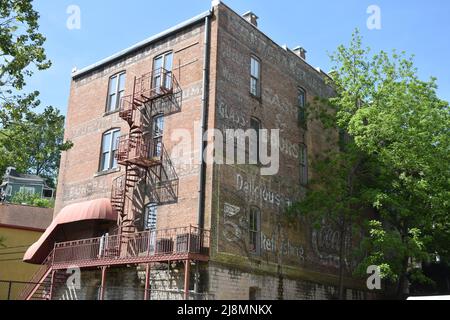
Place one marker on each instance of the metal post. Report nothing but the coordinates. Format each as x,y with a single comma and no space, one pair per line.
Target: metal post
189,240
187,273
52,280
9,290
102,288
147,294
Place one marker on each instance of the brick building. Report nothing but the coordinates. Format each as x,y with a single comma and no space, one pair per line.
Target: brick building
143,215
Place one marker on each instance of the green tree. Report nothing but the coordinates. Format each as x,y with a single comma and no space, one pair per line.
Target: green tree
337,195
32,142
36,145
21,52
401,128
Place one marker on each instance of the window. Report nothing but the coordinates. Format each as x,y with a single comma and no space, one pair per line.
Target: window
255,75
8,191
158,133
255,125
27,190
116,90
302,108
254,230
162,71
303,165
150,216
110,144
47,193
254,293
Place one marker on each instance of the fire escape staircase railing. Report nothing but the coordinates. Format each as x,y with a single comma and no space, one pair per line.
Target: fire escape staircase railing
39,279
144,158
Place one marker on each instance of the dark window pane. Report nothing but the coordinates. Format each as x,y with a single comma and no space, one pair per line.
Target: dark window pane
254,230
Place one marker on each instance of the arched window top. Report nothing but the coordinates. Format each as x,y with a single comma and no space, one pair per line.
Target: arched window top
255,123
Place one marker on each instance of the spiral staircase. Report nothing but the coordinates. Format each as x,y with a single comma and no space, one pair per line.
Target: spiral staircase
144,158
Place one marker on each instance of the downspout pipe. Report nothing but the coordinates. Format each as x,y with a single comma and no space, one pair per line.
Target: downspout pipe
204,124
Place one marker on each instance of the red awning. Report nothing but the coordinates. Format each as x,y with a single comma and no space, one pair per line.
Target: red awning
100,209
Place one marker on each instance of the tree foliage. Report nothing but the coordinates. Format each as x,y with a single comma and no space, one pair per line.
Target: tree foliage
21,52
35,144
34,200
30,141
399,131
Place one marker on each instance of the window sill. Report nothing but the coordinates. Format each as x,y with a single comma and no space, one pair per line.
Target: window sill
110,113
105,173
256,97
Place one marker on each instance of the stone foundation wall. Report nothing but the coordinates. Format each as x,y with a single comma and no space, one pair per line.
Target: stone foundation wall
232,284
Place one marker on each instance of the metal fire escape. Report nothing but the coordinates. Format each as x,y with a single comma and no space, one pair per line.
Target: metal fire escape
145,158
148,164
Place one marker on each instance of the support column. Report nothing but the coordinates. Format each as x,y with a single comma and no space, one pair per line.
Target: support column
9,290
102,287
187,277
147,293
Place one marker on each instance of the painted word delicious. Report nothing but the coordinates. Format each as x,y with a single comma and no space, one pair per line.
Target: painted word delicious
260,193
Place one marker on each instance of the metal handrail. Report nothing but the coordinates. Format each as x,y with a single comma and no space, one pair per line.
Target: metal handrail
187,240
131,147
38,276
154,84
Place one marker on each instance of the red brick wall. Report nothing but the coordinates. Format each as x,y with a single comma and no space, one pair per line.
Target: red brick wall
86,122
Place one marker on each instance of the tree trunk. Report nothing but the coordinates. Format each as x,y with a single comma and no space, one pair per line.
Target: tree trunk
342,260
403,279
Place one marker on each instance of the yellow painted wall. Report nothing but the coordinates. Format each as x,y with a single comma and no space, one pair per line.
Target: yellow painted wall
15,270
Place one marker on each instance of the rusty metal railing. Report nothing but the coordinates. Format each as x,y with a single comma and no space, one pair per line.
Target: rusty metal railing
159,243
155,84
129,111
38,277
138,150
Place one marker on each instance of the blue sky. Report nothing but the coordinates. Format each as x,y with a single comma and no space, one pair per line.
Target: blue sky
421,28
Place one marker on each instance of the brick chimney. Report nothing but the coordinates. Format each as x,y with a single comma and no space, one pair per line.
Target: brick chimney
300,51
251,17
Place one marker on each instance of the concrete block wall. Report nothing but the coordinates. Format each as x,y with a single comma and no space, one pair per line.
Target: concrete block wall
231,284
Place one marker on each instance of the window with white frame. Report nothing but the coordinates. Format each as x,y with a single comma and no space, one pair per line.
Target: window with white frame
27,190
303,165
162,71
116,91
110,144
255,77
151,217
158,133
